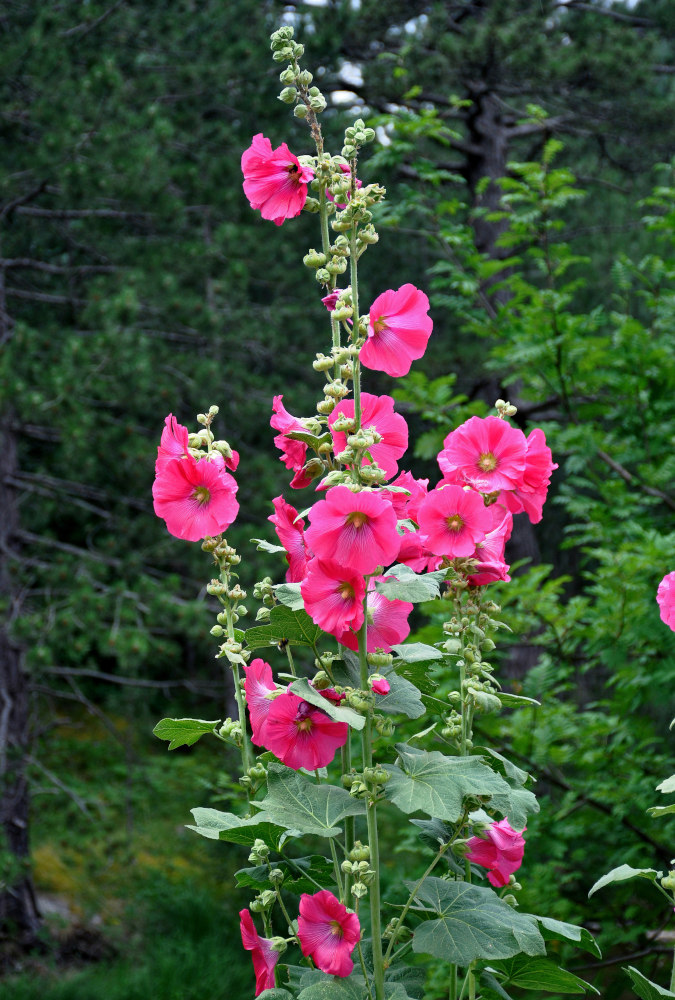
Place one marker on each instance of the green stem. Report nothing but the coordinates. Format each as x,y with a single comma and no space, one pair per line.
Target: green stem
452,992
291,665
404,911
364,970
354,278
336,869
346,761
288,920
247,756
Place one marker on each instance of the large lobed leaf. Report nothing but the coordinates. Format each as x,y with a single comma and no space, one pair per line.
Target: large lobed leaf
296,803
285,625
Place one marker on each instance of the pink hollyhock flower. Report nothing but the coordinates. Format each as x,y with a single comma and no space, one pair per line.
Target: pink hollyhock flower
502,852
333,596
328,932
293,453
490,552
195,498
300,734
376,412
173,443
346,169
380,686
665,596
530,495
262,953
485,452
452,521
407,505
413,553
398,331
291,534
330,300
387,621
274,180
355,530
258,686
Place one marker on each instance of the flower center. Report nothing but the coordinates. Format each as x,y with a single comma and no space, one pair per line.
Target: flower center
357,518
336,928
346,591
454,523
304,725
487,462
202,495
379,325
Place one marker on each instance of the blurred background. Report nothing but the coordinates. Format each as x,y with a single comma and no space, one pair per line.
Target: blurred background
525,147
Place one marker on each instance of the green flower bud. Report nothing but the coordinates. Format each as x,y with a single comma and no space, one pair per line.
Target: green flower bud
359,890
278,944
283,55
384,726
276,876
323,276
337,265
260,852
317,103
325,407
217,631
510,899
288,76
313,258
312,205
336,390
263,615
281,36
300,111
288,95
344,424
321,681
349,152
346,867
304,79
322,363
360,852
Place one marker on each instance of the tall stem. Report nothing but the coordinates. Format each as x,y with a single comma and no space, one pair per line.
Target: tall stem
407,906
354,278
346,761
247,755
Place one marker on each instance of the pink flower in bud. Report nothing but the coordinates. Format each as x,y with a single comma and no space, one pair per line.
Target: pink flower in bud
485,452
490,552
355,530
665,596
376,412
530,495
195,498
274,180
228,461
258,686
328,932
398,331
300,734
293,453
452,521
502,852
290,532
380,686
346,169
330,300
387,621
263,955
333,596
173,443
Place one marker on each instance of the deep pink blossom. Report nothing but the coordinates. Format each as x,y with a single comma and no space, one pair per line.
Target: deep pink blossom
333,596
290,531
300,734
230,460
380,686
330,300
665,596
387,621
453,521
258,686
195,498
346,169
376,412
530,495
407,505
274,180
262,953
490,552
173,443
414,554
328,932
355,530
502,852
485,452
293,453
398,331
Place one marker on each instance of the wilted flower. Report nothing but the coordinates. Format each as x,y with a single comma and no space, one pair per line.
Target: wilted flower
262,953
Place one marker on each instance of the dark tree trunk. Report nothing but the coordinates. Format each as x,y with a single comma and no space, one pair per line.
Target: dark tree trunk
18,909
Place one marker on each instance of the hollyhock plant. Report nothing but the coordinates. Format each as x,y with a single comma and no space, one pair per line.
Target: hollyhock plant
333,596
387,621
259,686
453,521
502,851
195,498
290,531
293,453
300,734
263,955
399,328
665,596
328,932
485,452
355,530
377,412
274,180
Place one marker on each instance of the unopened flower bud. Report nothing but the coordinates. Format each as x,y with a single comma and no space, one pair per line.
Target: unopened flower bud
321,681
322,363
300,111
359,889
349,152
325,407
322,274
278,944
276,876
287,76
359,852
217,631
305,78
314,258
510,900
288,95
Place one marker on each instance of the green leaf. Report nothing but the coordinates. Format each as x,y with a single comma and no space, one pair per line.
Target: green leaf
304,689
289,595
436,784
183,732
553,930
492,988
667,785
216,825
417,652
331,988
472,922
402,584
296,872
263,546
644,987
656,811
296,803
624,872
275,994
530,973
413,661
507,698
412,980
403,698
293,627
518,802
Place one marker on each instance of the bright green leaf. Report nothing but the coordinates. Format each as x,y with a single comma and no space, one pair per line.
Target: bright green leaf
644,987
183,732
624,872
